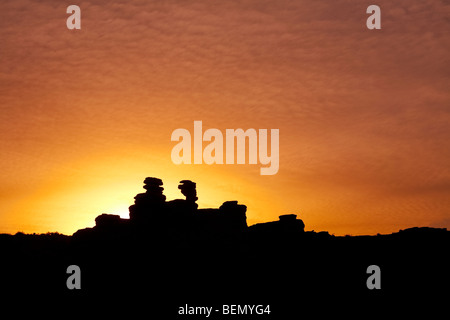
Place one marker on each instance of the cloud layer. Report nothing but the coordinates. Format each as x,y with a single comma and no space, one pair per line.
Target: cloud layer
363,115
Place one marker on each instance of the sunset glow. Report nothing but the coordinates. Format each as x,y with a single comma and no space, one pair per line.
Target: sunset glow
363,115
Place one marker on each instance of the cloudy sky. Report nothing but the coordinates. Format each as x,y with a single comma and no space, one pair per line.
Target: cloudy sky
363,114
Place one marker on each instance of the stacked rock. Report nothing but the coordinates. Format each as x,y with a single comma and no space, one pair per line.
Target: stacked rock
153,195
154,189
153,199
188,189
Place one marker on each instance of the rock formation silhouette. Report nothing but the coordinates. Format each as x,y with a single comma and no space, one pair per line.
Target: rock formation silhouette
169,253
148,204
151,213
188,189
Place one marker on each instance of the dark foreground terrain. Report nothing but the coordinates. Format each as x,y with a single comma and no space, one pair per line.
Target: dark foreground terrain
172,254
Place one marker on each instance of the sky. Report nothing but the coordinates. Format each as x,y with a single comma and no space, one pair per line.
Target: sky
363,115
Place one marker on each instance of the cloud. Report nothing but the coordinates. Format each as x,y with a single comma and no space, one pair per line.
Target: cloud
365,110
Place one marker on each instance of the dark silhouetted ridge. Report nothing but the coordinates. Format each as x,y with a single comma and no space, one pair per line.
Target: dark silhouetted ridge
172,253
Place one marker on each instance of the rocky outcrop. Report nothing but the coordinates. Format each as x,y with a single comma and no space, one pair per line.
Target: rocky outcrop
151,214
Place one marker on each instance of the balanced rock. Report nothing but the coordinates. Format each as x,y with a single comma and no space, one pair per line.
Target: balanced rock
188,189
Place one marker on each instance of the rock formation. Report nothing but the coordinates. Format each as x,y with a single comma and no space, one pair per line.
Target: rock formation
151,214
147,205
188,189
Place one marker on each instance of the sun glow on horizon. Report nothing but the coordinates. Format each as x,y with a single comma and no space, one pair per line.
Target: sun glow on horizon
77,192
87,115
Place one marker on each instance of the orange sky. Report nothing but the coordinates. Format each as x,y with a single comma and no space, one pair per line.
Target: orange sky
363,114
